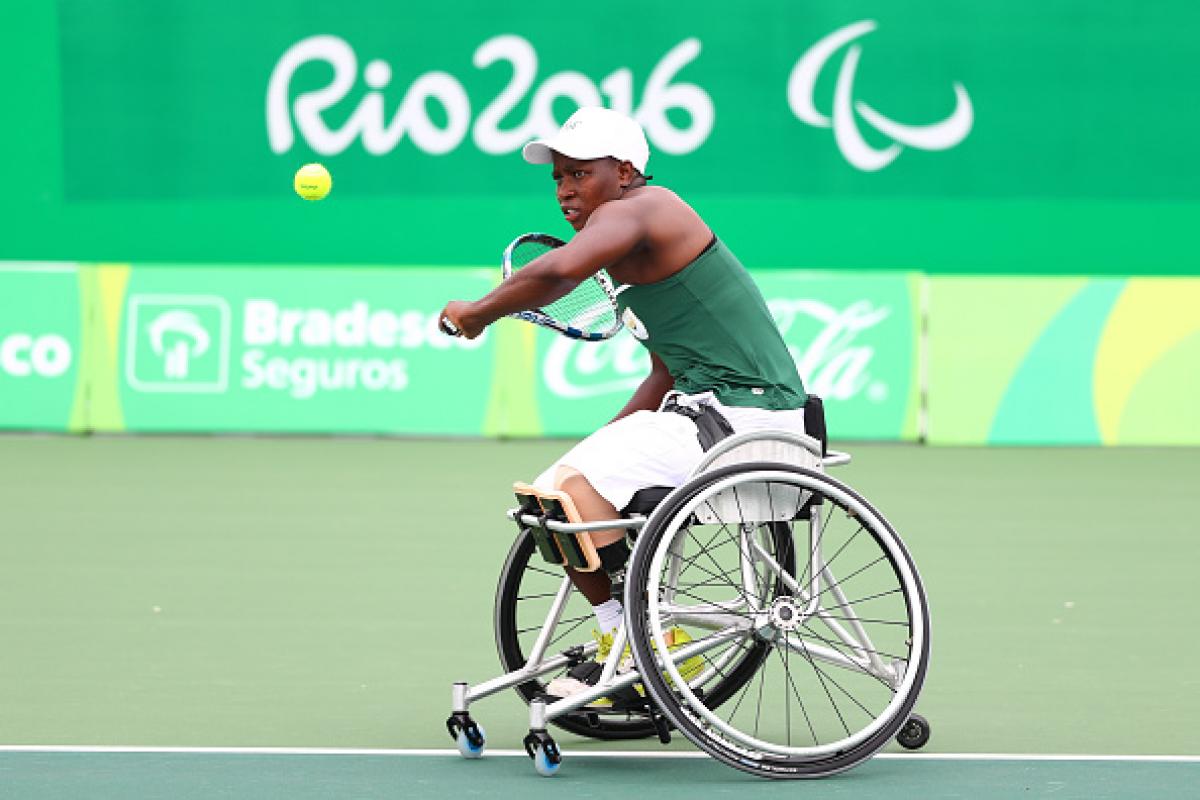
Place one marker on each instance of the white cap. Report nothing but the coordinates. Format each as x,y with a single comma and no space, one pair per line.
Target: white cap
594,132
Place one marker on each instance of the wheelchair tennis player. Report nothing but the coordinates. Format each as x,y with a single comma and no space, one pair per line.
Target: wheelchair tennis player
719,363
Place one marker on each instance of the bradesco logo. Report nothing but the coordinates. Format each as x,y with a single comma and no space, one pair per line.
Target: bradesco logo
177,343
30,355
830,344
305,351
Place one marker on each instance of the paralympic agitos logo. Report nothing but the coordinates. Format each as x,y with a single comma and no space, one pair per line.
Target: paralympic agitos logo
379,130
802,83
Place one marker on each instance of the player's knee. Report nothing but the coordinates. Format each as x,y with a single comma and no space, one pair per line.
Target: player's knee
571,480
555,478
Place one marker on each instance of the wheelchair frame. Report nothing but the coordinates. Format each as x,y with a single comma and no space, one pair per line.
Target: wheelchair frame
739,459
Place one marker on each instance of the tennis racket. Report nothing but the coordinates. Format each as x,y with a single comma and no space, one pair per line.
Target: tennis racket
588,312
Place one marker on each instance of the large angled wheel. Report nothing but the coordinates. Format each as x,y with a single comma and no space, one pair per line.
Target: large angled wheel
527,589
524,597
844,634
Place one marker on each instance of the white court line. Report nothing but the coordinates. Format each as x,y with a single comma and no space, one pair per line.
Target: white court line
347,751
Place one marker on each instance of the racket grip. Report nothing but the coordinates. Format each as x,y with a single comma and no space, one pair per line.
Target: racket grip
449,328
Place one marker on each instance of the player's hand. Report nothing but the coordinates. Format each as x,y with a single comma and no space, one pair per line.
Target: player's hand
456,320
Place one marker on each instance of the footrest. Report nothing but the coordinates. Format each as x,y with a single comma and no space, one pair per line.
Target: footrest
529,500
571,549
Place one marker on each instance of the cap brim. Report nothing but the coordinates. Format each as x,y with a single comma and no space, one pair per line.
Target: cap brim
538,152
541,151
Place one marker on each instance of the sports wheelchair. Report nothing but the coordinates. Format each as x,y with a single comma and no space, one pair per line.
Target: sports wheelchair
772,616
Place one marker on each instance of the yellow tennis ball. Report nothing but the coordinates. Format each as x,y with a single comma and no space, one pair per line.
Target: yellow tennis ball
313,182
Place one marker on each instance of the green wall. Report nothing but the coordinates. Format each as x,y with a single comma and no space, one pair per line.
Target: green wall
1053,138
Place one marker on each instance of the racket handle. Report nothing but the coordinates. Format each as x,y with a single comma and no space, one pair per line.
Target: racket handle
449,328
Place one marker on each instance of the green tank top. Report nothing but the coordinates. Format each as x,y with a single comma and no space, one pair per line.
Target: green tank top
710,325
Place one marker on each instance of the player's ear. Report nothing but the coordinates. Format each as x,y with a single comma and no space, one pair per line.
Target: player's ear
625,174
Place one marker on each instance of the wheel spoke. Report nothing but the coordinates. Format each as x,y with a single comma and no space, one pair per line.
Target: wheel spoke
795,691
821,678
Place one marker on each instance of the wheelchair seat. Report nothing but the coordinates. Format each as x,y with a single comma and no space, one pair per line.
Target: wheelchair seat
646,500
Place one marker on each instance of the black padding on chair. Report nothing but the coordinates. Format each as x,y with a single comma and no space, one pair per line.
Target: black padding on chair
814,422
645,500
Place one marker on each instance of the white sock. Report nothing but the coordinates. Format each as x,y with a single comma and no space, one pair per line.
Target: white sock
608,615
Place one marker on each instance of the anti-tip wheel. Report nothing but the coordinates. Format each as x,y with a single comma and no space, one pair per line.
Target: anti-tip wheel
914,734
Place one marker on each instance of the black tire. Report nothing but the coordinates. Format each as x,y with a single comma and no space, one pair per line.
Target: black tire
884,668
523,597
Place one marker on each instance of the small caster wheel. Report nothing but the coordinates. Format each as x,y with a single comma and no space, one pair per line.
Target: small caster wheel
545,753
542,763
471,747
914,734
469,737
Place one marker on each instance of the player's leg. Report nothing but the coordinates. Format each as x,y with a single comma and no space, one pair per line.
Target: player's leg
596,585
600,475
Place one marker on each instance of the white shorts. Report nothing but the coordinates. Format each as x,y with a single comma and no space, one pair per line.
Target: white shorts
656,448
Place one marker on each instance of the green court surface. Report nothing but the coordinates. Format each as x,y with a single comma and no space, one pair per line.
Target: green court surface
191,776
324,593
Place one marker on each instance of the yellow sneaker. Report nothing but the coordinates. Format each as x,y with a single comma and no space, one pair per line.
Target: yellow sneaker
604,644
690,669
585,675
676,638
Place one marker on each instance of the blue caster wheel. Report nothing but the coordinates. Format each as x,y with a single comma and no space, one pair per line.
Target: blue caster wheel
547,759
471,747
544,766
467,735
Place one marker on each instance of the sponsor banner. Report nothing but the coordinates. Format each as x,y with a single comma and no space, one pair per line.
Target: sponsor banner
853,337
1070,360
40,322
309,350
1064,361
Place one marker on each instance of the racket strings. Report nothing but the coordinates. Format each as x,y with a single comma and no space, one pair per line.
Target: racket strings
527,251
587,307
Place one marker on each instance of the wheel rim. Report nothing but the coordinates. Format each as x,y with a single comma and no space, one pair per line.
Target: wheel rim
800,646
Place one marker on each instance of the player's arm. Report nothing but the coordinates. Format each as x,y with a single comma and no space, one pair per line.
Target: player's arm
612,231
650,393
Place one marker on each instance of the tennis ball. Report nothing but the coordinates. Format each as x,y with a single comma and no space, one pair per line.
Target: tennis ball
313,182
